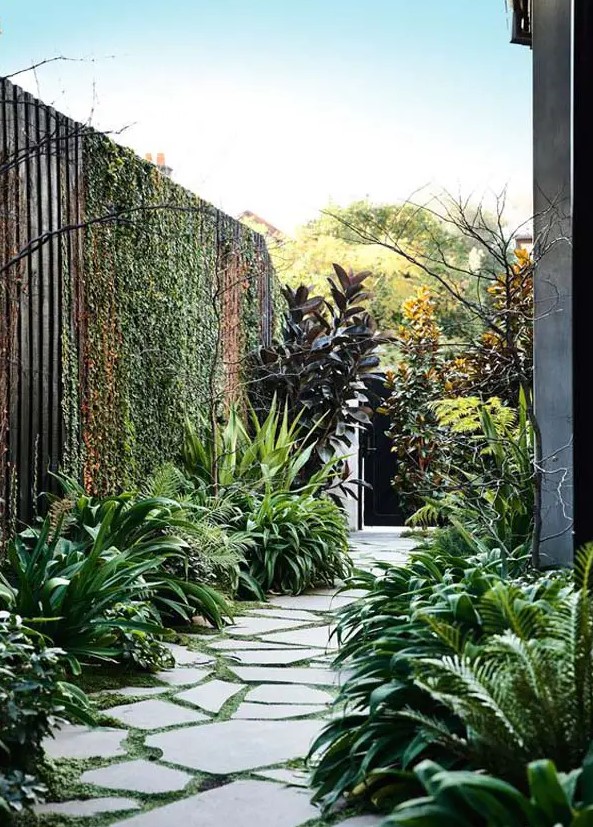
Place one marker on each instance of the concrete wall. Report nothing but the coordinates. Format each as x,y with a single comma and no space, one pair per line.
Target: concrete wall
553,277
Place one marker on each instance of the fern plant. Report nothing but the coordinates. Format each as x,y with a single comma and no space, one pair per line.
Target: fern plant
527,692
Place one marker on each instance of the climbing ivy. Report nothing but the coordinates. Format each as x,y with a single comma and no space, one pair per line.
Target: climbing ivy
149,326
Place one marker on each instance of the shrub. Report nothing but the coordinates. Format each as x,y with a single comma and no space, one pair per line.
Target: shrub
325,362
434,606
471,799
299,541
33,700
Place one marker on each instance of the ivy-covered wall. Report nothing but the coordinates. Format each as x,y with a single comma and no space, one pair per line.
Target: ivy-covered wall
173,295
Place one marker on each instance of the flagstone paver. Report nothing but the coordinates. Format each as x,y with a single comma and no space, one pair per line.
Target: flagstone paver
235,746
185,657
287,674
84,742
292,778
137,776
268,717
182,676
257,712
90,807
264,657
275,693
210,696
136,691
243,645
240,804
252,625
318,636
154,714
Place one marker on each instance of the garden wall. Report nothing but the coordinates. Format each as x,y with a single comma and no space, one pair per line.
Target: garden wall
126,303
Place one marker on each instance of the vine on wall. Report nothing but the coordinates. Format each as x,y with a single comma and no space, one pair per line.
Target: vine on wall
172,292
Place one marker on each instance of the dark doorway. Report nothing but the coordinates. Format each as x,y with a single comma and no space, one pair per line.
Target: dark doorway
380,503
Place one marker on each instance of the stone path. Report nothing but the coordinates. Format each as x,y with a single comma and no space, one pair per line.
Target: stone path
220,739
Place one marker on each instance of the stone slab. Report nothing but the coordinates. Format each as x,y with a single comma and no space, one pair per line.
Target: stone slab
182,676
262,657
277,693
243,645
137,691
210,696
90,807
250,626
292,778
74,741
154,714
277,712
240,804
290,674
317,636
137,776
311,602
185,657
362,821
288,614
235,746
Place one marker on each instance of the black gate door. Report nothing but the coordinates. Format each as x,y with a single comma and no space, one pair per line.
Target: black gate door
380,503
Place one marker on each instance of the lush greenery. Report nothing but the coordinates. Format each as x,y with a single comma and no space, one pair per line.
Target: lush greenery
33,699
162,314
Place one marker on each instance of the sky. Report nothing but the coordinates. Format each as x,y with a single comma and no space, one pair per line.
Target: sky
281,106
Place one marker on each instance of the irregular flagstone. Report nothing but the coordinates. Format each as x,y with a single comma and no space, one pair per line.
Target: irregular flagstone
154,714
292,778
185,657
318,636
137,776
90,807
73,741
182,676
236,746
278,712
136,691
210,696
243,645
287,614
253,625
260,657
313,602
289,674
276,693
240,804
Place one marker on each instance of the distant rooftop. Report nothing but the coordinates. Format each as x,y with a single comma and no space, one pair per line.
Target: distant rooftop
248,216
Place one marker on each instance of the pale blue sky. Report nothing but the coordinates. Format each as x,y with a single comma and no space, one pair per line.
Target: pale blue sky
279,105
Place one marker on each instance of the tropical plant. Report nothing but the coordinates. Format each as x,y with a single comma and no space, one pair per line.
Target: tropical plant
145,528
527,692
471,799
33,700
299,541
260,455
488,487
325,362
434,606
